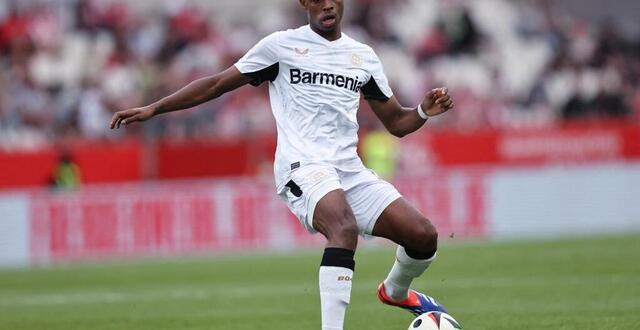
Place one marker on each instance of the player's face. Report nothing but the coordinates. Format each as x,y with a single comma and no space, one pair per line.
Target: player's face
324,15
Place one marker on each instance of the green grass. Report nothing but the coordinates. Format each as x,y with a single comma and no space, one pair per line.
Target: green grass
589,283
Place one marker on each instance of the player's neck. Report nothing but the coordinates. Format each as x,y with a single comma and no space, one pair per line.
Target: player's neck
331,35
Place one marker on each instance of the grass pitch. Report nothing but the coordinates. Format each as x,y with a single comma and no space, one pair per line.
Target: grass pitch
590,283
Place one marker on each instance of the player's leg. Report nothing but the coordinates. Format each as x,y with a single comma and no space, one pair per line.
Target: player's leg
417,241
403,224
335,220
314,193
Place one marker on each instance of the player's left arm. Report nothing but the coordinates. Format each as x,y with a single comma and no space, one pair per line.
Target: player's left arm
401,121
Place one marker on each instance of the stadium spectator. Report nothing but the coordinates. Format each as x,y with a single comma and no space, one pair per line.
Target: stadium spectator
66,174
67,64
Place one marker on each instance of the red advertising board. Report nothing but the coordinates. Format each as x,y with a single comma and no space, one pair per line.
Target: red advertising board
243,214
133,160
99,162
532,146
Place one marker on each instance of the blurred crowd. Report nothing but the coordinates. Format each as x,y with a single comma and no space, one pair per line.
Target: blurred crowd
67,65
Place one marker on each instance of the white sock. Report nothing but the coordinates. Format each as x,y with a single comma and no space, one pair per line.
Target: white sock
335,294
404,270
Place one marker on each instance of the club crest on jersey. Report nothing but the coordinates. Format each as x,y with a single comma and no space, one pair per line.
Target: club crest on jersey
297,76
301,51
356,59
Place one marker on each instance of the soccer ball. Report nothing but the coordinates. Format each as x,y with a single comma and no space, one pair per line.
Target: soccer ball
434,321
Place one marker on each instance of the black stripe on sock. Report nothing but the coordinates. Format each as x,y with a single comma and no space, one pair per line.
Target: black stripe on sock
338,257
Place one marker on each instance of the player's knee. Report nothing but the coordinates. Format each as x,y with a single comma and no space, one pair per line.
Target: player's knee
347,230
345,236
340,228
425,239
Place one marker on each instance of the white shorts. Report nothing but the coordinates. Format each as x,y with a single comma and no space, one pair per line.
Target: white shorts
366,193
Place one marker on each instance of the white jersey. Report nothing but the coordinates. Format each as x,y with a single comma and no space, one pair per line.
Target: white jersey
314,89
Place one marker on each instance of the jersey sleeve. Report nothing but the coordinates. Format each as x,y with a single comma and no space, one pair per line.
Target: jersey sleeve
377,88
261,63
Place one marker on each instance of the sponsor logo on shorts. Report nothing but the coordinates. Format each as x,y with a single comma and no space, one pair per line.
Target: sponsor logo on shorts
319,176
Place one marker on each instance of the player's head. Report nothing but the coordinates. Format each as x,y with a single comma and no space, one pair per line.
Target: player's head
324,15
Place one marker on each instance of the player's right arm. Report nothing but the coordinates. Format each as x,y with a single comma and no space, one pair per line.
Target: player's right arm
195,93
258,65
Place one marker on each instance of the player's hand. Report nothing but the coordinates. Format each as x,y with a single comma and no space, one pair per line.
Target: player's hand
129,116
437,101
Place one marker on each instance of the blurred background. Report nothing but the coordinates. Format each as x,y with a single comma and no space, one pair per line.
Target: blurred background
544,140
67,64
532,181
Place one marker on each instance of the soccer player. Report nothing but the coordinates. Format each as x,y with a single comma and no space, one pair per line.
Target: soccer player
316,74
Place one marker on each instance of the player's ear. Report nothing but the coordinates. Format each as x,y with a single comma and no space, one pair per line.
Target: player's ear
303,3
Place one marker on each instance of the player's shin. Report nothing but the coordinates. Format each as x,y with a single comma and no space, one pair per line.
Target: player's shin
404,270
336,272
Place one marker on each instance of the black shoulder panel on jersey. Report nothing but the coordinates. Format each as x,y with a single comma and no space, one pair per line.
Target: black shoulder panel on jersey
269,73
371,91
